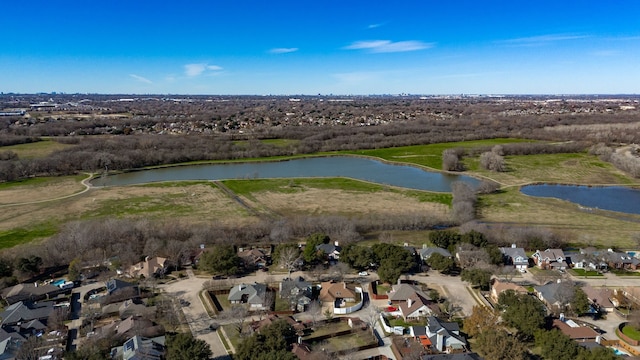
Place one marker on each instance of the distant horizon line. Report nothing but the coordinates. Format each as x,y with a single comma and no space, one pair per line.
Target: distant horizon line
331,95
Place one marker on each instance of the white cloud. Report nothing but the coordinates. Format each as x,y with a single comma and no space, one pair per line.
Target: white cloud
141,78
282,50
192,70
373,26
542,39
388,46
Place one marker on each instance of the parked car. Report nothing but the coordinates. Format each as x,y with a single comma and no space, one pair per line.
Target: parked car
363,273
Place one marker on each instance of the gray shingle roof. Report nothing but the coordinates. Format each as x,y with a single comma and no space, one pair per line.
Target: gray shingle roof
255,293
21,311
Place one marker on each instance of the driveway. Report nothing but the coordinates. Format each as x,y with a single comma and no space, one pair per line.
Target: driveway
196,315
451,288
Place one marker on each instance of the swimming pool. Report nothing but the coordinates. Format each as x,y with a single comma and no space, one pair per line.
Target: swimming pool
618,351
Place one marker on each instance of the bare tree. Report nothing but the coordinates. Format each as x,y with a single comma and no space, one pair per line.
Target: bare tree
339,270
315,311
31,349
317,272
288,258
237,315
371,316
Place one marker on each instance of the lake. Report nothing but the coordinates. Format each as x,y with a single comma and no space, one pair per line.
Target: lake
404,176
613,198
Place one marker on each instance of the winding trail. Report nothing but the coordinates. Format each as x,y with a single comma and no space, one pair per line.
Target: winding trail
84,182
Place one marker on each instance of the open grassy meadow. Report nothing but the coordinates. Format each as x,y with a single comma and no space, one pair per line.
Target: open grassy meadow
36,149
427,155
336,196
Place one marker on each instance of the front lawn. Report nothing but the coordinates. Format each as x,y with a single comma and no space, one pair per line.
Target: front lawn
620,272
583,272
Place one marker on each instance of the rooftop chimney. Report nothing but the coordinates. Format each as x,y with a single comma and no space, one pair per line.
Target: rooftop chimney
440,340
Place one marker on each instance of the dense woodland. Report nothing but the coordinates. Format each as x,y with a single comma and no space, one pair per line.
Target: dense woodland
116,135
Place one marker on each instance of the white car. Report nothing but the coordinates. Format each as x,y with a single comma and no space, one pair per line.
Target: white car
363,273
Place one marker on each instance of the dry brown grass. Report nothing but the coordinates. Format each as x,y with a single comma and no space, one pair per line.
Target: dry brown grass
56,187
314,201
195,203
577,226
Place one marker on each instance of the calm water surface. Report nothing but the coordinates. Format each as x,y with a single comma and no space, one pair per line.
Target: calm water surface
337,166
614,198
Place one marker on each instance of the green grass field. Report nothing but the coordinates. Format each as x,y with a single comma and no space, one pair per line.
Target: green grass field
427,155
15,237
36,149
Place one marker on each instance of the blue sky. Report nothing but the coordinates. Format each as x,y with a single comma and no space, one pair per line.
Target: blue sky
322,47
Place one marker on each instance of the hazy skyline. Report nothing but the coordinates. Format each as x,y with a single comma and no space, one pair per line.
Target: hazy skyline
331,47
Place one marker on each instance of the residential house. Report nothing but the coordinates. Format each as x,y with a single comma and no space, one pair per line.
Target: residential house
253,294
9,348
401,292
116,286
454,356
135,308
554,294
331,251
302,351
415,307
620,260
588,258
332,291
515,257
271,318
600,298
253,258
21,312
499,287
30,292
426,252
550,259
443,336
140,348
576,332
136,325
150,267
297,291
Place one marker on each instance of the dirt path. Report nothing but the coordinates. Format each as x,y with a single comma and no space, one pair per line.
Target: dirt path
85,183
243,203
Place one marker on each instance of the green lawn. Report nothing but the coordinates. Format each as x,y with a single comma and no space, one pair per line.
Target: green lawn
15,237
583,272
632,332
624,272
36,149
328,328
401,322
